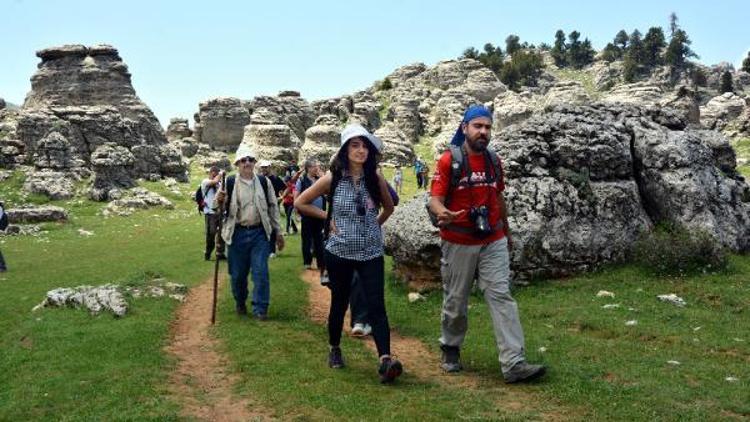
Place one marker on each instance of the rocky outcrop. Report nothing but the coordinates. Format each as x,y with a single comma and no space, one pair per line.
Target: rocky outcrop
321,142
288,108
721,110
82,99
36,214
271,142
220,123
583,182
638,93
178,128
397,150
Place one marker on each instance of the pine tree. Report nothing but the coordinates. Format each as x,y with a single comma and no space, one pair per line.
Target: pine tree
559,49
746,63
726,82
611,53
634,57
512,44
653,42
678,50
573,49
673,26
621,40
470,53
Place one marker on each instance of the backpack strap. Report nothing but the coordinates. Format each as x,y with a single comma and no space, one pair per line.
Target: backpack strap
264,184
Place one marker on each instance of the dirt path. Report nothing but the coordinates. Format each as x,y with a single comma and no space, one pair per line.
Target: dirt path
201,381
420,362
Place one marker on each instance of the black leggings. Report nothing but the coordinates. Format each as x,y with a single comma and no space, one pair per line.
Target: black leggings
289,208
372,280
312,241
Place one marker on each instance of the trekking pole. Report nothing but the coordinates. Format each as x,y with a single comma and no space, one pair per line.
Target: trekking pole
216,265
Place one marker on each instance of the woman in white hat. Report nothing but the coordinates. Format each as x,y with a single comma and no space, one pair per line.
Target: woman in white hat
359,203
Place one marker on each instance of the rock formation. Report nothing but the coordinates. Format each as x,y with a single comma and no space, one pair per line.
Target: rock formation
583,182
220,123
81,103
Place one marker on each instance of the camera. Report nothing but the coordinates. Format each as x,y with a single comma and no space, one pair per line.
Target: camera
480,217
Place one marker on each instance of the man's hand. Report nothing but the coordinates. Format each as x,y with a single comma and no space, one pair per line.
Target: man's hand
447,216
279,242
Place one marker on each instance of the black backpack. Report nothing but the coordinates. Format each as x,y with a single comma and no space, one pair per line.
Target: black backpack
460,166
200,199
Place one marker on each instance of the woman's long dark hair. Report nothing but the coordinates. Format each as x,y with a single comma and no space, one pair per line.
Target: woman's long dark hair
341,163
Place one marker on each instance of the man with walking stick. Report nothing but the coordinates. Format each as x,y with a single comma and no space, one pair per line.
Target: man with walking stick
251,216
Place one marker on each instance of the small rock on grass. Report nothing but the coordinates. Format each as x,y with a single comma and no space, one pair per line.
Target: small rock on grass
414,297
604,293
673,299
631,323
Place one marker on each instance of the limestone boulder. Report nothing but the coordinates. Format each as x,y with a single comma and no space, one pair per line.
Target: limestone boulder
222,122
36,214
271,142
397,150
721,110
321,143
178,128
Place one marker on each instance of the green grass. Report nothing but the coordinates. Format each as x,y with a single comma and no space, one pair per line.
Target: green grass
65,364
742,149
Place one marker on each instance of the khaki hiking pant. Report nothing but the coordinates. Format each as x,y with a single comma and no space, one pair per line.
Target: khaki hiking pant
490,266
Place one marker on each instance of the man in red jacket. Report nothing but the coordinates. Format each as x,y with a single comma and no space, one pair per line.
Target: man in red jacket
467,198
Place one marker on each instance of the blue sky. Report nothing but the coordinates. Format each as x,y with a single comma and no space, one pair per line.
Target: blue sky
183,52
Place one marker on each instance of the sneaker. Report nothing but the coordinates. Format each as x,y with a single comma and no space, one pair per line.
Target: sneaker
221,257
335,359
523,371
272,256
389,370
241,310
308,266
367,330
260,317
450,360
324,280
358,330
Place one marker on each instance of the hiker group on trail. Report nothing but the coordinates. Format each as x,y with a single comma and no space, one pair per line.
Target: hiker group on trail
342,212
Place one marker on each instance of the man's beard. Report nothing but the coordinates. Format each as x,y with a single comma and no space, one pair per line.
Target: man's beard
478,144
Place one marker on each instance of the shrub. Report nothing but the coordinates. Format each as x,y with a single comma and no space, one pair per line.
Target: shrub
386,84
673,250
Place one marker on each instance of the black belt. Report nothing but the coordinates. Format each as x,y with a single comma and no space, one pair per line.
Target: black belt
472,230
254,226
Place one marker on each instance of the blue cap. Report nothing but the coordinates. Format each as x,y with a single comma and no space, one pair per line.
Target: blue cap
471,113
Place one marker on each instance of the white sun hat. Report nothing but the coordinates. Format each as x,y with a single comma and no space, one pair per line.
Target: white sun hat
243,151
264,163
355,130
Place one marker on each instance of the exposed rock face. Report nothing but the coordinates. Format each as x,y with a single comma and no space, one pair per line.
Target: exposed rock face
565,92
82,99
584,181
271,142
639,93
288,108
414,244
36,214
220,123
178,128
722,109
397,150
511,108
321,143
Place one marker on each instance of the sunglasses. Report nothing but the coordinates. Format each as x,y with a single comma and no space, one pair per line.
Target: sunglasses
247,160
360,202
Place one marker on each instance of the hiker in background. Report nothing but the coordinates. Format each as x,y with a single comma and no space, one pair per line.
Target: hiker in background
398,179
251,216
209,187
425,176
3,226
359,203
418,167
475,244
287,199
312,226
278,187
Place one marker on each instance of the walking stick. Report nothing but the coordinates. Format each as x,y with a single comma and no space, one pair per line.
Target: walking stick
216,265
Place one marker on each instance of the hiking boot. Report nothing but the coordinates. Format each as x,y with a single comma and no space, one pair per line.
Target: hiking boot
272,256
241,309
366,330
389,370
523,371
335,359
261,317
221,257
207,257
450,359
358,330
324,280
